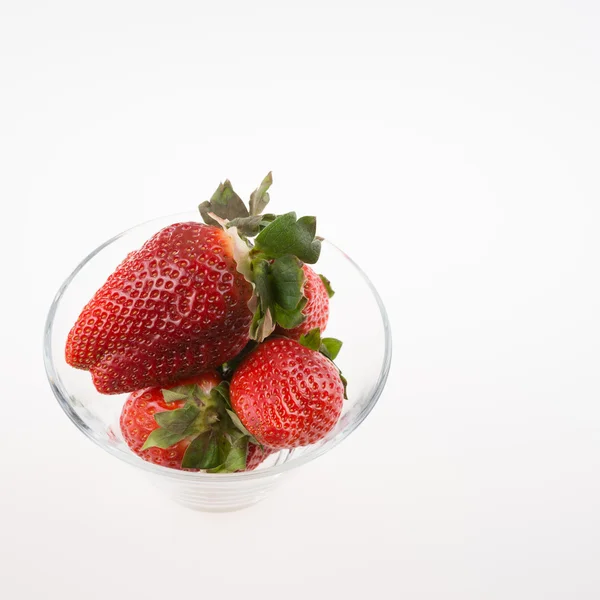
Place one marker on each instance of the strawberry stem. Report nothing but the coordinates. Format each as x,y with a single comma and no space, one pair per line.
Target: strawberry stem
272,264
218,440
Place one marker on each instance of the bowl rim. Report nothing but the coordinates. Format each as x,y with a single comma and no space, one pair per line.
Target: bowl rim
62,395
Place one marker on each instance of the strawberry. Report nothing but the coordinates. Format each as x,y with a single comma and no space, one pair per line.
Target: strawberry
188,427
176,307
191,297
287,394
256,455
317,291
137,421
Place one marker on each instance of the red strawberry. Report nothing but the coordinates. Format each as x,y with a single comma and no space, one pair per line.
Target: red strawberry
286,394
137,421
167,448
256,455
176,307
317,292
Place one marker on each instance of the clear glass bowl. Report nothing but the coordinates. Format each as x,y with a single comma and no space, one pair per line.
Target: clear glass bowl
357,317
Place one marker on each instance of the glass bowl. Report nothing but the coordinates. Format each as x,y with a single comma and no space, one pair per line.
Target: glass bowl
357,316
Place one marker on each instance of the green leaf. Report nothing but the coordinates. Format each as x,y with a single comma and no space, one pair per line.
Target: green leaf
287,278
288,319
345,383
224,203
251,226
286,235
259,197
279,298
262,282
224,447
220,393
312,339
180,392
327,285
171,396
256,323
202,453
162,438
199,395
263,327
330,347
179,420
238,423
236,457
235,435
262,324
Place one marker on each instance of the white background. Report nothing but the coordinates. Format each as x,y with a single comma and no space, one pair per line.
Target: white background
453,149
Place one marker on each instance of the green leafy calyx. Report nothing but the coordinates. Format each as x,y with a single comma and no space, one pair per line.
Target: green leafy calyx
218,439
329,347
272,262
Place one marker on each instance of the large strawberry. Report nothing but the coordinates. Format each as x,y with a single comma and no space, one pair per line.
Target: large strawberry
175,307
287,394
189,427
191,297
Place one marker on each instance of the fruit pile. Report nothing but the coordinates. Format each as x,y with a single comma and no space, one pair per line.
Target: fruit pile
215,330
